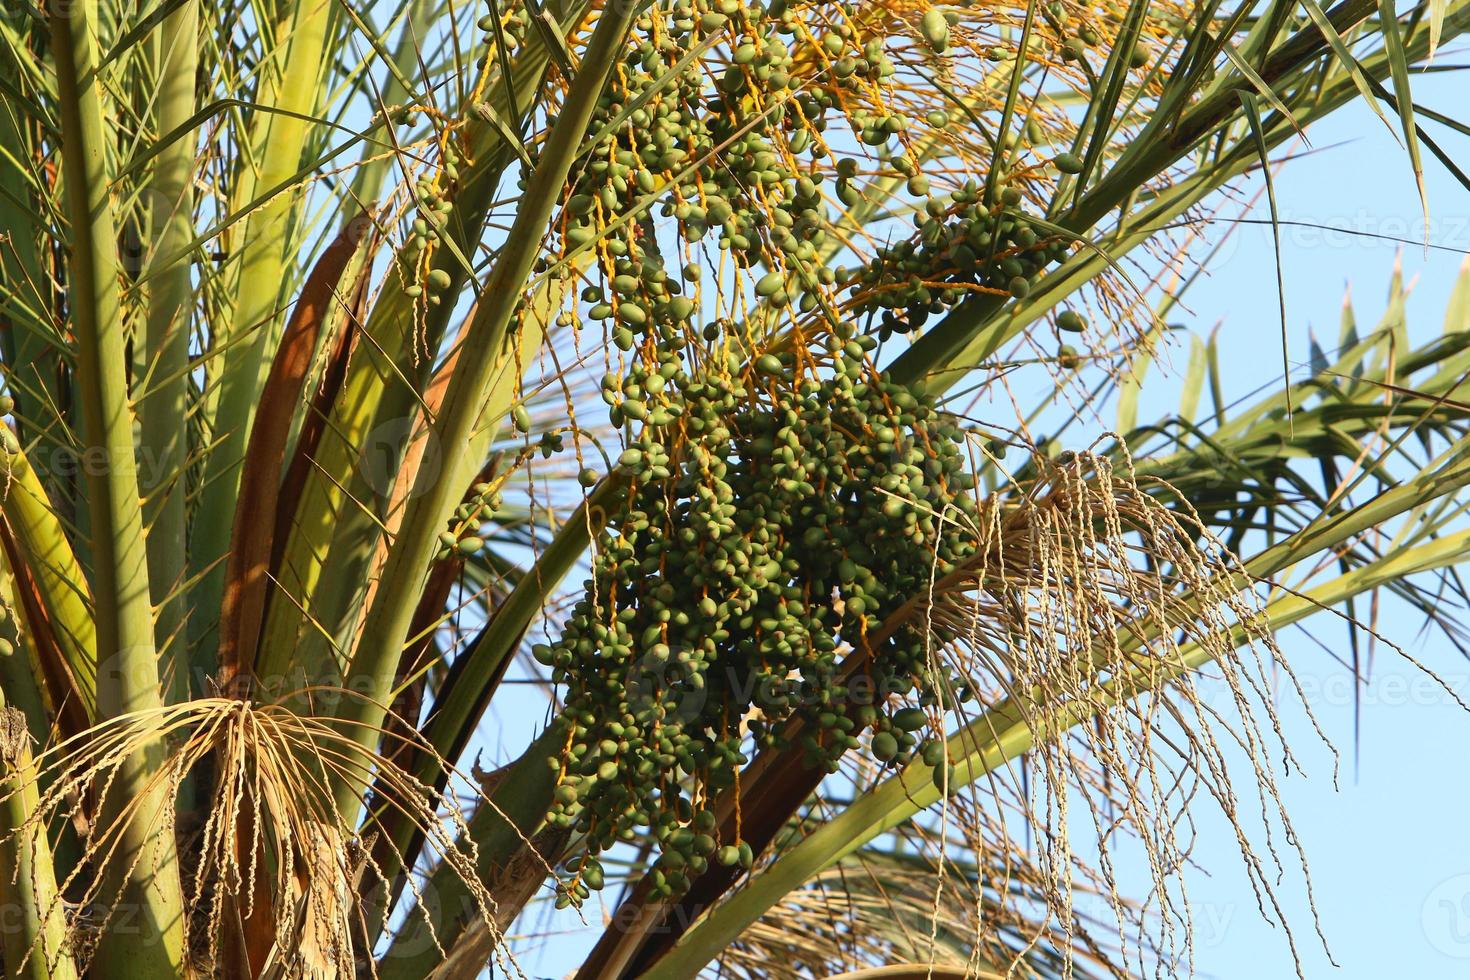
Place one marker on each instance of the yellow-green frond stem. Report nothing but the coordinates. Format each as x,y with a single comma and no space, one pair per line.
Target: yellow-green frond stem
163,412
146,872
34,940
341,506
388,621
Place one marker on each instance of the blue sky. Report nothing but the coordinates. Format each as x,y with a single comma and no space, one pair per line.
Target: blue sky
1388,852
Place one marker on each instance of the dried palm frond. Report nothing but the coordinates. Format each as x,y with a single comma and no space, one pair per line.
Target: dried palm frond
277,882
985,911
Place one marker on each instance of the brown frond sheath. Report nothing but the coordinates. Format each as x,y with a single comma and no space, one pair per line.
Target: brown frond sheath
408,754
67,706
314,421
252,540
416,655
253,543
413,457
430,612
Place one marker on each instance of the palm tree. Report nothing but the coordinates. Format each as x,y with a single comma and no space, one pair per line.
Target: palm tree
341,341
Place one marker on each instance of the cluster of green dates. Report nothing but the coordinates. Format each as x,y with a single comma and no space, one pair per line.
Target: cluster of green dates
737,162
781,512
462,537
435,206
704,150
511,31
775,522
1077,39
962,248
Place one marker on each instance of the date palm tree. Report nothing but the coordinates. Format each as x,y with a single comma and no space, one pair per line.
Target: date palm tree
341,342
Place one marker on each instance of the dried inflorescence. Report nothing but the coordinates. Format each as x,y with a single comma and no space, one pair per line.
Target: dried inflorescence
276,880
983,908
1083,622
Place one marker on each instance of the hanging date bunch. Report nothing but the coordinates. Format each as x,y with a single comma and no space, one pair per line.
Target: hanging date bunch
776,520
962,247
